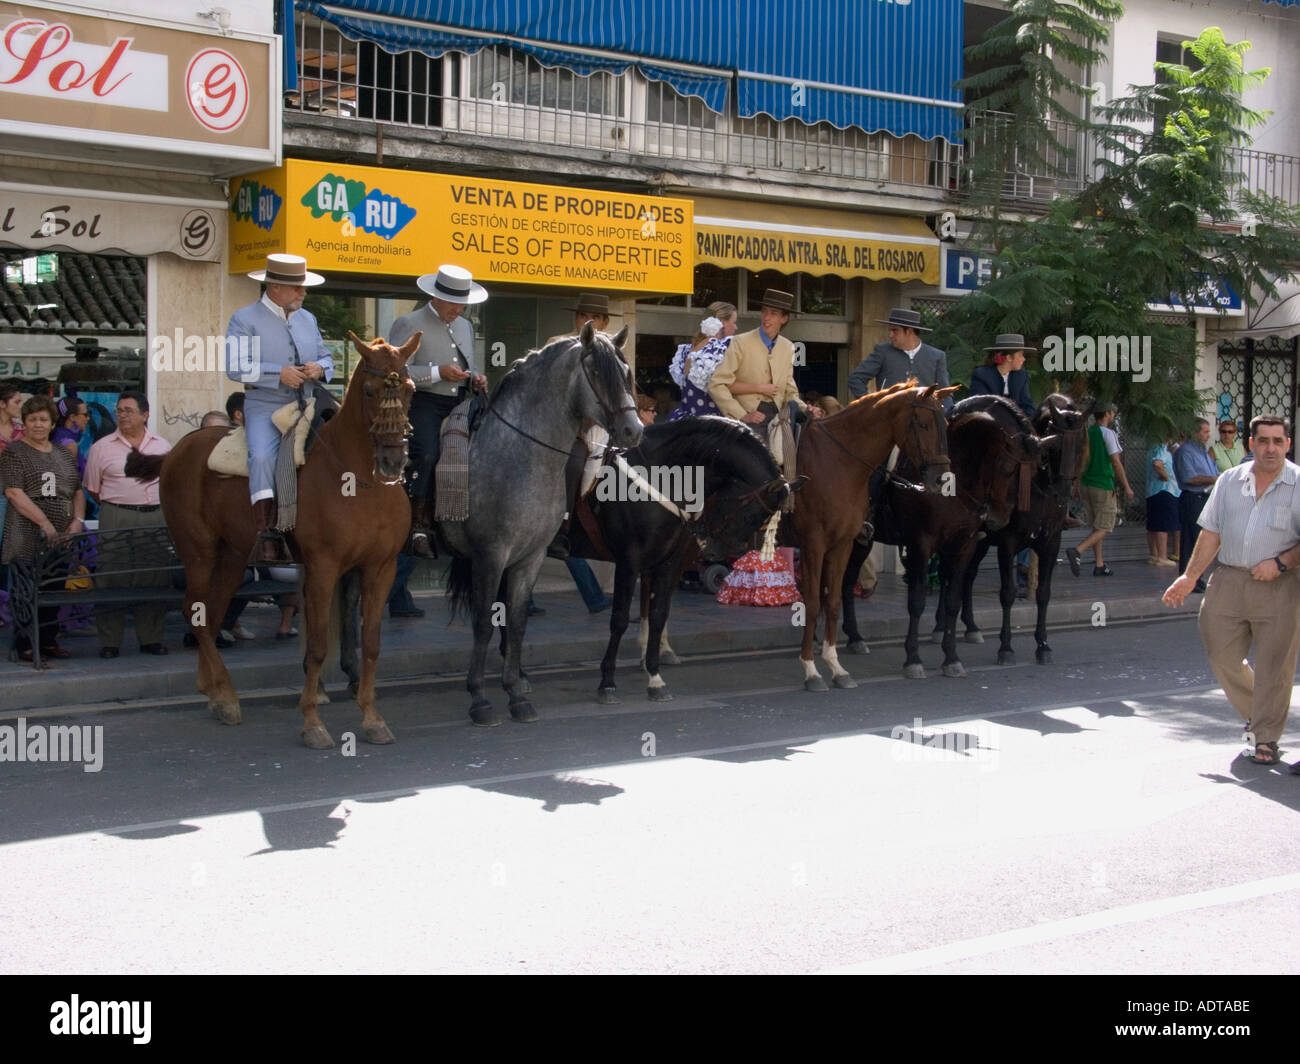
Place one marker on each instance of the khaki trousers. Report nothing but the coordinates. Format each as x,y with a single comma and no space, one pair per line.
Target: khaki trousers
149,617
1238,612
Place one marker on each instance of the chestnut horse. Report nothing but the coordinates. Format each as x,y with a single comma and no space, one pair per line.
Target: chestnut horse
352,513
838,454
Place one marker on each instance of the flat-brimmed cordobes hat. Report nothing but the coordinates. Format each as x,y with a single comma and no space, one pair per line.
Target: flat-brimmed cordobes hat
1010,342
597,306
778,300
904,319
287,269
452,284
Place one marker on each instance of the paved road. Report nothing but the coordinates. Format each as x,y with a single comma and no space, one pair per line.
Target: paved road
1091,816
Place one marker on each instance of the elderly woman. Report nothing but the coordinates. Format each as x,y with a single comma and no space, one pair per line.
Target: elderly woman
1003,372
44,492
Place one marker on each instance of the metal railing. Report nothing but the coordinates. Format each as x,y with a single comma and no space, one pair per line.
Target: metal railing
502,95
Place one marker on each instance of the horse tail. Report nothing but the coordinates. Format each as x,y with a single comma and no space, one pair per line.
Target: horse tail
460,586
143,466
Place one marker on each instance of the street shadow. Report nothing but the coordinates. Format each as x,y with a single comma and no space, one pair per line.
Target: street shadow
163,831
555,791
966,744
1043,724
300,829
763,753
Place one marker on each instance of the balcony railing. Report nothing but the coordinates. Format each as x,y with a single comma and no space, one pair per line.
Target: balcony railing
504,97
1068,158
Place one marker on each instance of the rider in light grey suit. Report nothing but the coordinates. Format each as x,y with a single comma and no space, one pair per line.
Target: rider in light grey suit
890,363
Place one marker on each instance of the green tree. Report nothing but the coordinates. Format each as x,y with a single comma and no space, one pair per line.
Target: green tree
1160,215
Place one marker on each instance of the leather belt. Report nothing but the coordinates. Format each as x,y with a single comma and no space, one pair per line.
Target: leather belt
129,506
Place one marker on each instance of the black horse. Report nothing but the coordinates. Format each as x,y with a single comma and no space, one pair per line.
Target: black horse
987,464
1063,428
717,485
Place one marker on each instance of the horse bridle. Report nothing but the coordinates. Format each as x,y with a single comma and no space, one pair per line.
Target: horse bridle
914,429
390,404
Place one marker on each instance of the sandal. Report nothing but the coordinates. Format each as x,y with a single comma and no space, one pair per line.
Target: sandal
1269,750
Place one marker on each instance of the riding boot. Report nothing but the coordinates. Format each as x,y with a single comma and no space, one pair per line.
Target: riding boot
420,545
573,468
270,548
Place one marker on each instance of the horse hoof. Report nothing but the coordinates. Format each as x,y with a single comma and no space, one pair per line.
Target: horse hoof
1044,656
914,672
858,646
1006,657
317,738
815,683
227,712
377,734
523,712
974,636
936,636
956,670
669,657
482,714
844,682
607,696
659,694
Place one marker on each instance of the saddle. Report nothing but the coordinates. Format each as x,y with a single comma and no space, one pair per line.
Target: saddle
229,458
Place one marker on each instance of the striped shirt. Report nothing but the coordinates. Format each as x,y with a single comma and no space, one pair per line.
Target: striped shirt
1253,530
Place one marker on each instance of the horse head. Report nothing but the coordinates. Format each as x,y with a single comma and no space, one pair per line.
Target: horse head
921,431
1066,425
606,393
384,389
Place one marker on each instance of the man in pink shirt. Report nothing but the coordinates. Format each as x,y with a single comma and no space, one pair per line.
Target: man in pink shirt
125,502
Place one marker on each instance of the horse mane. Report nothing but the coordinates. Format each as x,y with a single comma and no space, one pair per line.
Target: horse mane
690,439
871,398
994,404
538,361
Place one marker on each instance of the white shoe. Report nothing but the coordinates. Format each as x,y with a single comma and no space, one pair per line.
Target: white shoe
240,632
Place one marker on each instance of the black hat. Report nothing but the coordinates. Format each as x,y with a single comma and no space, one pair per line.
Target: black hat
778,300
906,319
1010,342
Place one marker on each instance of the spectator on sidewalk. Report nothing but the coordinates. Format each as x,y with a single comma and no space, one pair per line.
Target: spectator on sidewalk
1162,504
1197,472
1229,451
1097,488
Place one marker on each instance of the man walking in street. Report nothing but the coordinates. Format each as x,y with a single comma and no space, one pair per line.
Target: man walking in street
125,502
1197,472
1097,487
1251,523
442,368
289,353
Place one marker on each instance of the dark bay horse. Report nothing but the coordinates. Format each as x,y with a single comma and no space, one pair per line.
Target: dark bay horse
987,463
736,485
517,490
352,513
1064,429
838,454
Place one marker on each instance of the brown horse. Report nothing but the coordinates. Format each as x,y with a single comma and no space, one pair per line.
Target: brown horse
838,454
352,513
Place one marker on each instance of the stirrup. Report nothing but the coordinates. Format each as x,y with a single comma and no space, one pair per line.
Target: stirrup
420,544
270,548
559,546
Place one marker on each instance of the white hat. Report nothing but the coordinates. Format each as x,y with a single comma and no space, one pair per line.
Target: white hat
287,269
452,284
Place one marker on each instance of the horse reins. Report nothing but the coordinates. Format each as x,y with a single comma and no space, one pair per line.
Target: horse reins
913,427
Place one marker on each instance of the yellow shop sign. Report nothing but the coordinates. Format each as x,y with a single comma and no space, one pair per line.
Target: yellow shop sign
362,219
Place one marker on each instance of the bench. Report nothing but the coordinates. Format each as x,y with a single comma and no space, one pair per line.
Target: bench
42,583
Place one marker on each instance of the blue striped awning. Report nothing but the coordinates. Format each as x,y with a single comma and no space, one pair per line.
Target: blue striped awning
877,64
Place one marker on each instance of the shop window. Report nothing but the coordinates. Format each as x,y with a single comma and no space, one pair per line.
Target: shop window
821,295
713,283
762,281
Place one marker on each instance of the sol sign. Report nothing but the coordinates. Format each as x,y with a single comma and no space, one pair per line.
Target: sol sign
134,84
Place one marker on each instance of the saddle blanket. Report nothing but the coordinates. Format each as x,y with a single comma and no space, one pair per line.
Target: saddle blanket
229,458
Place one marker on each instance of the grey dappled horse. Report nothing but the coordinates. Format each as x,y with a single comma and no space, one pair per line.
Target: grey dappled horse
517,490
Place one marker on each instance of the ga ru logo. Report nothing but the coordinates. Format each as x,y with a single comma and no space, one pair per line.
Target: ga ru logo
370,211
256,203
